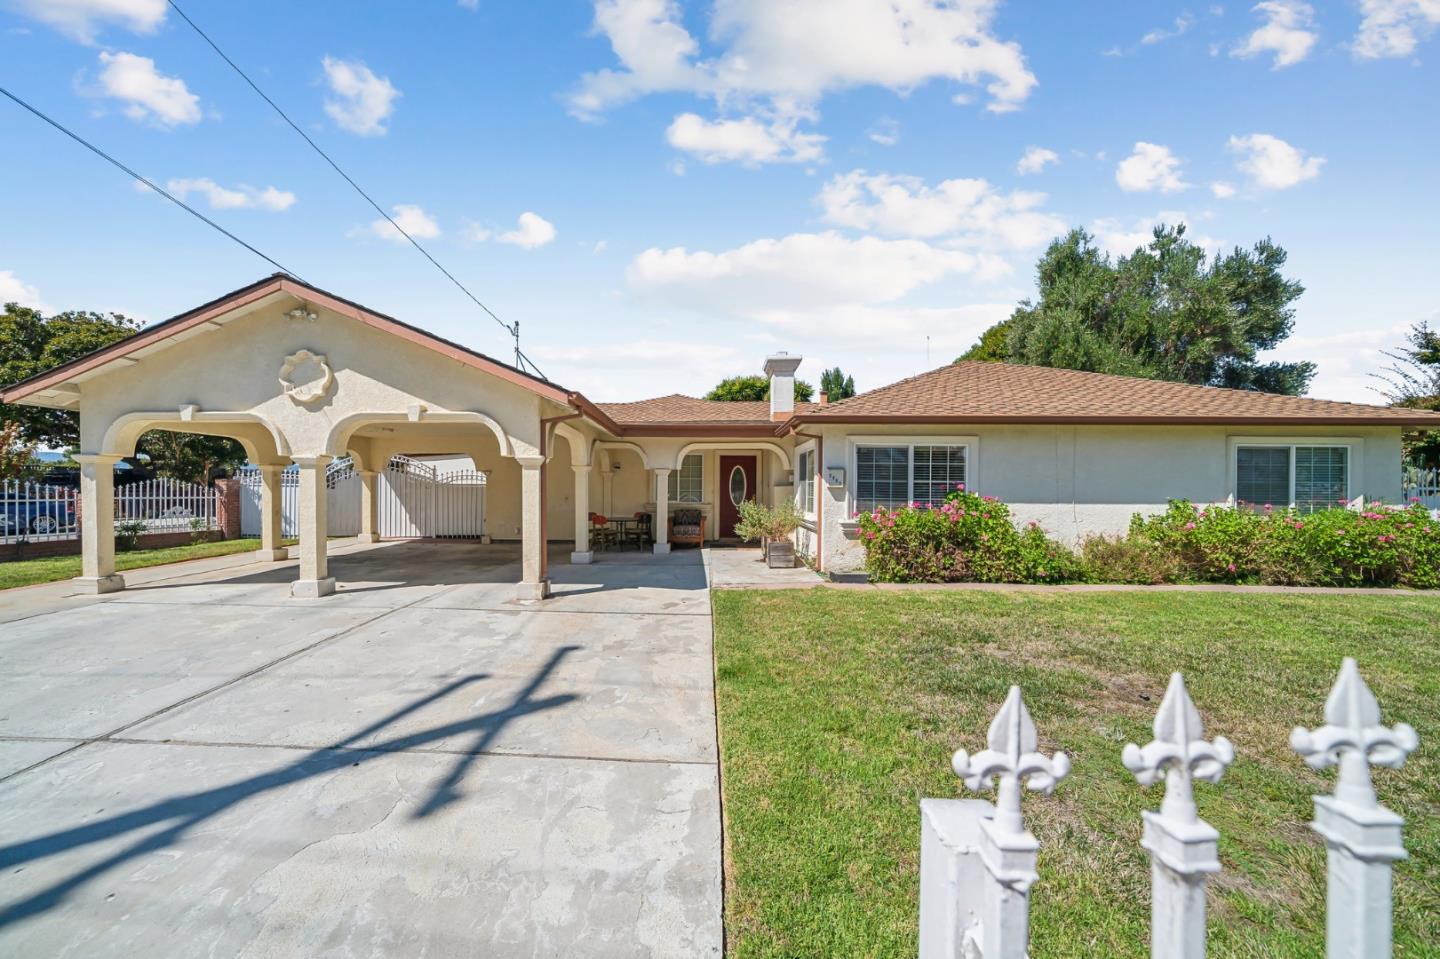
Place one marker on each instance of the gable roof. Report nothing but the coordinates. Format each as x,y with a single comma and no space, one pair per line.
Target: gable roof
978,392
678,409
213,314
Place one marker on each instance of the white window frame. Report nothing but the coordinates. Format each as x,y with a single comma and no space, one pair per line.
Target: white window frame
805,479
674,481
1354,465
972,460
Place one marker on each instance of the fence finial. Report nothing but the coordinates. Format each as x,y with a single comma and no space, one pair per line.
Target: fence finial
1183,847
1353,738
1012,760
1362,837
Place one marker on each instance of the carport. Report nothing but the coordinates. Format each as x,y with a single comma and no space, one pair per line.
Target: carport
299,375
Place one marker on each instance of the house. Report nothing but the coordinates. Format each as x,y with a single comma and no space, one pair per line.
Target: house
299,375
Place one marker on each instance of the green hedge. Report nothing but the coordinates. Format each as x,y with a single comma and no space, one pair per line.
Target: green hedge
971,538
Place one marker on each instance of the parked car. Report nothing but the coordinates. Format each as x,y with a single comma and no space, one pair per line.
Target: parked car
23,514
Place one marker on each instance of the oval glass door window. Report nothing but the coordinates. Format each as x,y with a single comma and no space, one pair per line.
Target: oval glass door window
737,485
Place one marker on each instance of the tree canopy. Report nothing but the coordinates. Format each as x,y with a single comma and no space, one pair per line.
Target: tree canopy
836,385
1413,380
754,386
32,343
1167,311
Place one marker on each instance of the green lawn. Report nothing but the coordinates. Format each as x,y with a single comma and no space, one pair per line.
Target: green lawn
27,572
839,711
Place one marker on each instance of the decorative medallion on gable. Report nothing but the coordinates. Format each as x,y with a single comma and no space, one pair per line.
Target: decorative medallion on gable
306,377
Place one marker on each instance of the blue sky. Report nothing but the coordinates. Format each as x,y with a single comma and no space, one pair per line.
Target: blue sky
662,193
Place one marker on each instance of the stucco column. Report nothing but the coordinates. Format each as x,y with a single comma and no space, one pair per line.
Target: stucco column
97,524
368,505
662,511
314,578
582,553
271,478
533,584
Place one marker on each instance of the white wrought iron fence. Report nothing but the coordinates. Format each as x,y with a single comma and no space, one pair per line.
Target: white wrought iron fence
39,513
1421,484
35,512
166,505
978,861
342,499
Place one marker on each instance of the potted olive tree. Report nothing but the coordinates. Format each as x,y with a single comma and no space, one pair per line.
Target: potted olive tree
773,527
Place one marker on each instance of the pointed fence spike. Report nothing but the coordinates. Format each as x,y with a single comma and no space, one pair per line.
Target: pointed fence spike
1362,837
1182,846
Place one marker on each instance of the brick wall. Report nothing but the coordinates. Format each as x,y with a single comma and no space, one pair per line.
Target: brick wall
71,547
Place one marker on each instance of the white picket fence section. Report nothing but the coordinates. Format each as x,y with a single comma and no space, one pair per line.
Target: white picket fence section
413,501
1423,485
38,513
166,505
342,499
977,860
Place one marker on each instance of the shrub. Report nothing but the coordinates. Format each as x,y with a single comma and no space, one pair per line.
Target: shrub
127,534
767,523
968,538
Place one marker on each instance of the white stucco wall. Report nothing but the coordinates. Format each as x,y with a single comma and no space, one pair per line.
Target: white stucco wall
1079,480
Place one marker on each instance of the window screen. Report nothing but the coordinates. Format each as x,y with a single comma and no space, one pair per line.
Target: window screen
1262,475
882,477
938,469
1321,476
685,483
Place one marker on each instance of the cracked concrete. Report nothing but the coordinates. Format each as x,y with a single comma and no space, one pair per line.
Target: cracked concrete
417,766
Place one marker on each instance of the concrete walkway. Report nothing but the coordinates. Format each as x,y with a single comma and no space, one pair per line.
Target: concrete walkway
417,766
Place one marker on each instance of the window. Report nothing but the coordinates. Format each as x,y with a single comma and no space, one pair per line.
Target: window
685,483
1306,477
805,482
898,475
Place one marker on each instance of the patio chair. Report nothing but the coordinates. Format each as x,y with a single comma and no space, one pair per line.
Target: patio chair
640,534
602,534
687,528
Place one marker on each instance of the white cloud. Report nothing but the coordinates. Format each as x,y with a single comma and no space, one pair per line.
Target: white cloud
1150,167
1121,237
971,212
1346,361
1182,23
748,141
363,101
82,19
770,279
409,217
1393,28
533,231
1034,160
224,198
1272,163
780,59
1222,190
1286,33
14,290
148,95
885,132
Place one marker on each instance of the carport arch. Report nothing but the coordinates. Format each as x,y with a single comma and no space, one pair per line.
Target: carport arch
338,441
123,434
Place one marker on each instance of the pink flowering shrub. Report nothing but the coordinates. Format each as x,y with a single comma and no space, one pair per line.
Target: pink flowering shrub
968,538
1376,546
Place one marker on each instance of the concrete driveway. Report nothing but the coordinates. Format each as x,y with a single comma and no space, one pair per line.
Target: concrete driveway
417,766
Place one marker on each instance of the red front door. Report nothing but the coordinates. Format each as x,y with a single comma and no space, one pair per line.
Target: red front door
737,484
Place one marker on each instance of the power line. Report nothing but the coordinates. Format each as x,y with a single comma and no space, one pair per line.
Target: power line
512,329
173,199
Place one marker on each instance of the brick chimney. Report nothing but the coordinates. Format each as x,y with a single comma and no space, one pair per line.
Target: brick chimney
781,370
824,398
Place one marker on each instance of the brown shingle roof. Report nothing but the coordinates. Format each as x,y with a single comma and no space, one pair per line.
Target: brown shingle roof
1003,392
679,408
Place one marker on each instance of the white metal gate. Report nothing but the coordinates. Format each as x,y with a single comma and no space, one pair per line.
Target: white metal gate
342,500
415,501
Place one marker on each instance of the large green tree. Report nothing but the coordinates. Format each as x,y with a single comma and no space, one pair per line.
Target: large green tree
1413,380
1167,311
836,385
754,387
31,343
